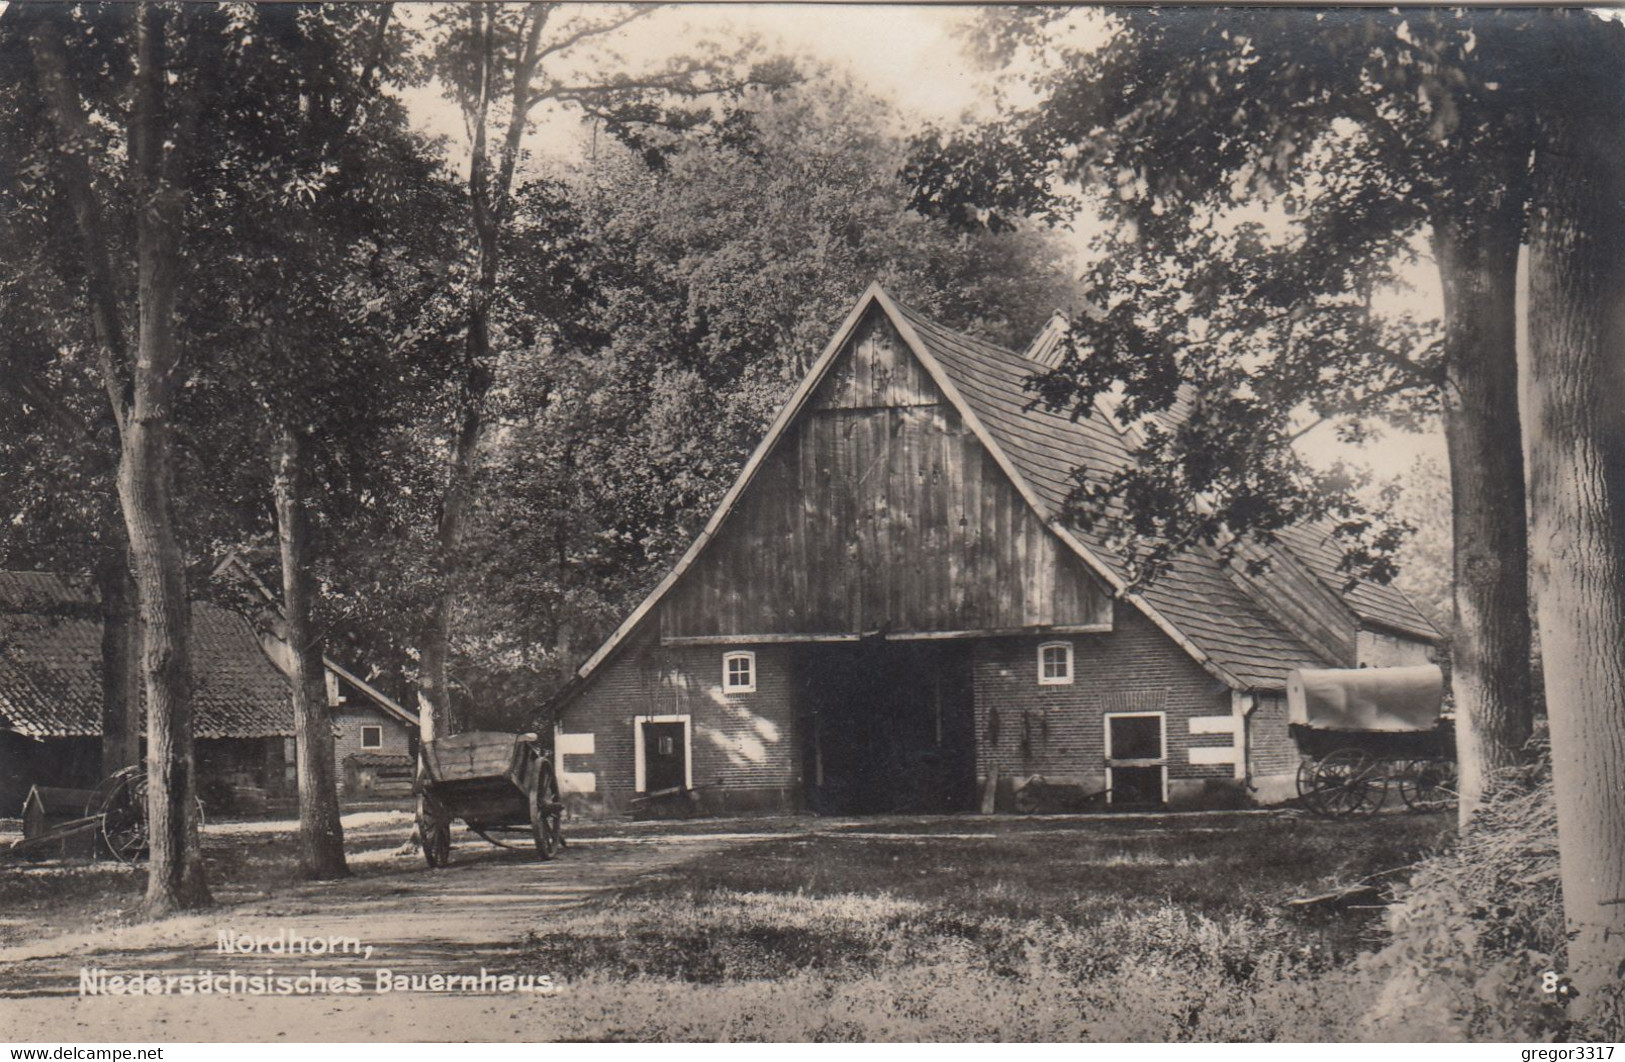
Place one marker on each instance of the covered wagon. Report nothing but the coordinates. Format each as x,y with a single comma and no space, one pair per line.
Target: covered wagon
1365,731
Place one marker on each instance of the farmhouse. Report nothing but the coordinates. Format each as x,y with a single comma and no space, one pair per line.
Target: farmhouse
51,702
887,612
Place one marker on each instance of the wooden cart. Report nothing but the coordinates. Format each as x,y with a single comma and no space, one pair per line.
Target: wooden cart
1363,733
108,820
497,783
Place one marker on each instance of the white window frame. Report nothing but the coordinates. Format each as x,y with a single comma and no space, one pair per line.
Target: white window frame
639,774
727,658
370,726
1160,763
1058,680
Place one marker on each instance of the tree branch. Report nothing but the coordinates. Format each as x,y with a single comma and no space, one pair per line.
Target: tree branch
73,129
598,29
375,60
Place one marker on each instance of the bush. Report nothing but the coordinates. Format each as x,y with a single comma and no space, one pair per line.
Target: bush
1478,926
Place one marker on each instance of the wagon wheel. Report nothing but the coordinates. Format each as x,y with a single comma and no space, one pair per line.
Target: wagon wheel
124,815
434,827
1346,782
546,814
1306,780
1427,785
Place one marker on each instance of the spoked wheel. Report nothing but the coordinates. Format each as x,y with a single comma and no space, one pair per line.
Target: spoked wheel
1346,782
1427,785
547,814
124,815
434,827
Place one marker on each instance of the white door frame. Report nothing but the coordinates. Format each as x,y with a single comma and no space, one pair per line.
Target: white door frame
1161,762
638,775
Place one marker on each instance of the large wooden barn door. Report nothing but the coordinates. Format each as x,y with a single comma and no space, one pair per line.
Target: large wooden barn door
887,726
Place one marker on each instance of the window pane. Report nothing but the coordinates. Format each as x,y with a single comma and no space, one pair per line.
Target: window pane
1137,738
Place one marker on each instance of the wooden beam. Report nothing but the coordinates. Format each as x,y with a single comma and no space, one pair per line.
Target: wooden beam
889,636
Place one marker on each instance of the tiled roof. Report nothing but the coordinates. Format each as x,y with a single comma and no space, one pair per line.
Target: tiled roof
1195,595
1386,606
50,666
44,592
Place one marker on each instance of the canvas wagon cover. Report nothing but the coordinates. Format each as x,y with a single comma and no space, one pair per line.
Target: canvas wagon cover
1383,699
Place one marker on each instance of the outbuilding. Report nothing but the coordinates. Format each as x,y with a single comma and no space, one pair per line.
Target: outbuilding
51,700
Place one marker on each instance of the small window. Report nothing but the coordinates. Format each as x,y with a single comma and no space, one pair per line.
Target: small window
372,737
739,673
1055,664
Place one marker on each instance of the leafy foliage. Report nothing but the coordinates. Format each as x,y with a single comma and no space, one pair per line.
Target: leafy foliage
1268,173
705,288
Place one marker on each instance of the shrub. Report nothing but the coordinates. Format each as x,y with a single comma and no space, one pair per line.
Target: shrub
1478,926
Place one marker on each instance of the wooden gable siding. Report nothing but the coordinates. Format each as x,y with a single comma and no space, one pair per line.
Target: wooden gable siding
880,509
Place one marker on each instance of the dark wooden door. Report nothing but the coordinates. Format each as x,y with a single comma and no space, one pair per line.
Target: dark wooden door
665,759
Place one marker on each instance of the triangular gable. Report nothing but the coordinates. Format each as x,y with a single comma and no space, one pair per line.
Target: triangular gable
880,510
876,297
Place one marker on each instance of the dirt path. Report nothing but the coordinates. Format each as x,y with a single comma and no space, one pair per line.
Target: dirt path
459,920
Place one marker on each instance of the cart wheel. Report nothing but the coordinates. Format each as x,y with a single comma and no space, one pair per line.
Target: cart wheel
124,816
546,814
1427,785
1306,780
1347,782
434,827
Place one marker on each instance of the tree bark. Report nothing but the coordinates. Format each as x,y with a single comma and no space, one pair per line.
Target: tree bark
121,662
1576,392
140,396
1490,644
321,834
175,877
489,200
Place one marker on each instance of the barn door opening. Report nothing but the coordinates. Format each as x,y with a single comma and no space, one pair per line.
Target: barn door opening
1136,759
661,749
887,727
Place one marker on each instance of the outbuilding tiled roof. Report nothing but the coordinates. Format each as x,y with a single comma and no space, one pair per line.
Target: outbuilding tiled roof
1385,606
51,658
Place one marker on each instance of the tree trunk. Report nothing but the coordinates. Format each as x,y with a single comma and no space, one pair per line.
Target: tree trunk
489,200
175,878
1576,393
140,395
1490,643
321,834
121,663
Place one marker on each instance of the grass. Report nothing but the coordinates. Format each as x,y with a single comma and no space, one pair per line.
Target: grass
950,928
1150,929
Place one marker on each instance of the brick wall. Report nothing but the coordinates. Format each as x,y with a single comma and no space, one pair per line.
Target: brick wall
1059,731
746,751
1272,755
744,747
348,721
